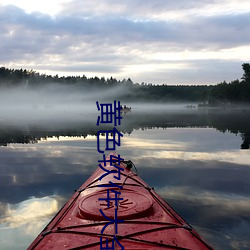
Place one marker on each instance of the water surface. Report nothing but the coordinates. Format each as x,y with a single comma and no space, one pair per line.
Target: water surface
193,158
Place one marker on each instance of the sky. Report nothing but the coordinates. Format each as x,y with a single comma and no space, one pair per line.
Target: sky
151,41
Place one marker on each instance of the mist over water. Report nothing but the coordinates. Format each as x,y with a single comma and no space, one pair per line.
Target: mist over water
58,107
51,102
61,102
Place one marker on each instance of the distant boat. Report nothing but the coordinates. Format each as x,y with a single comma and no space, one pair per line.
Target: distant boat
126,109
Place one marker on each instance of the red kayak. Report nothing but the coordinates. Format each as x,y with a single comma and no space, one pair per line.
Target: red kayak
116,209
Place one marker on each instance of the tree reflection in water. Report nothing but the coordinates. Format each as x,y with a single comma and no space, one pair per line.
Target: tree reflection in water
233,121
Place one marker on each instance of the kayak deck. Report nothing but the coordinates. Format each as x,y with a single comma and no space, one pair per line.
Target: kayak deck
143,219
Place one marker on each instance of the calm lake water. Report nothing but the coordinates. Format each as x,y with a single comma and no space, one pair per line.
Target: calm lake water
197,160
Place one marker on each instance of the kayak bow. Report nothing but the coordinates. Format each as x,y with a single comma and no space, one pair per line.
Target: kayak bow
143,219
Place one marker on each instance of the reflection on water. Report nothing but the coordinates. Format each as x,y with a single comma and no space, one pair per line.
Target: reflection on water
33,130
25,218
193,160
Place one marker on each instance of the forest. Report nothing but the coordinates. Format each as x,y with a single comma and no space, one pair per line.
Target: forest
224,93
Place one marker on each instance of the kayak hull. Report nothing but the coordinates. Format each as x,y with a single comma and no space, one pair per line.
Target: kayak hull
126,208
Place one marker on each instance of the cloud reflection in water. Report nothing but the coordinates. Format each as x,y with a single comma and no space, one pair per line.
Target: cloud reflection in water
25,220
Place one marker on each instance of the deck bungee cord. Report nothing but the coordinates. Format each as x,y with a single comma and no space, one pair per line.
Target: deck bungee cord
144,219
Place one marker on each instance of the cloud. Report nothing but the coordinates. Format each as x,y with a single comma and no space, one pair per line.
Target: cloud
29,210
92,37
26,220
233,204
144,10
44,31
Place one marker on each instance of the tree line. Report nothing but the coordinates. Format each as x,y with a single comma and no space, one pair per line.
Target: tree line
236,91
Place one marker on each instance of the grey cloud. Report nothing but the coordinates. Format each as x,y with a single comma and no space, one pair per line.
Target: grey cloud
209,71
220,31
85,68
134,8
98,39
